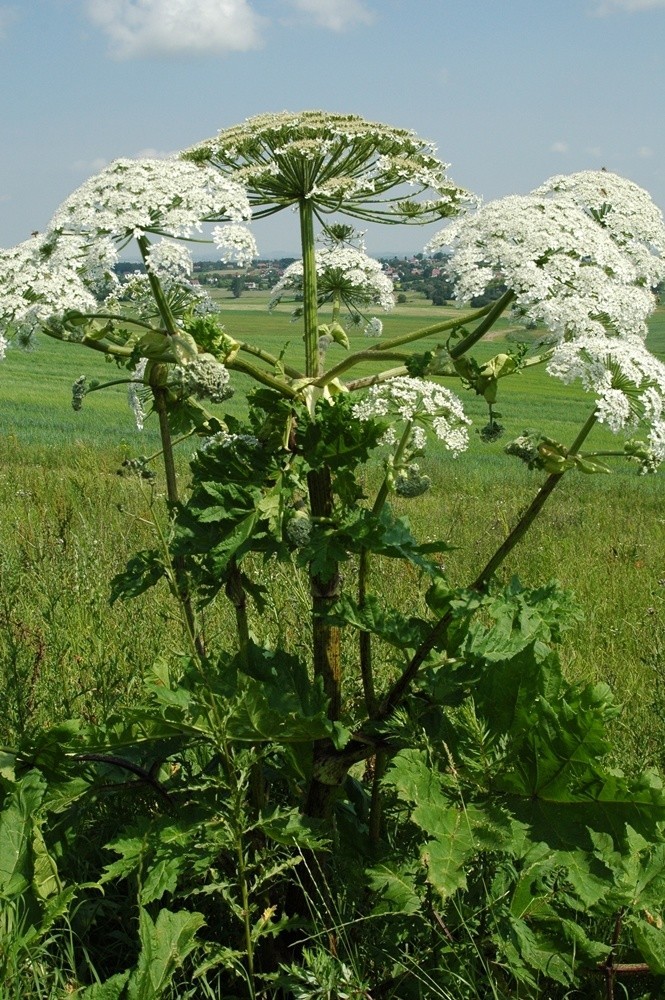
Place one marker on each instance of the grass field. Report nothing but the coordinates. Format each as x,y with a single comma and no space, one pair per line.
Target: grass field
70,522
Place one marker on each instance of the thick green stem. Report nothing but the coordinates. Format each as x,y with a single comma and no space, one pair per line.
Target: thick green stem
159,394
365,639
466,343
309,291
385,349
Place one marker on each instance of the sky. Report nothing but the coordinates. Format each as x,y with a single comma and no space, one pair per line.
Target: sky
510,91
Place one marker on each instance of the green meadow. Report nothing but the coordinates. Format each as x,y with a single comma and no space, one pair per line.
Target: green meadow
71,520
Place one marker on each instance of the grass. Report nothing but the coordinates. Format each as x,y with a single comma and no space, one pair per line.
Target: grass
71,522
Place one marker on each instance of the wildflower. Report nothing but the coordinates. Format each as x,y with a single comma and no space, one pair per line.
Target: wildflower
130,198
170,260
42,278
422,402
136,394
627,379
625,211
340,163
236,243
566,270
374,328
345,275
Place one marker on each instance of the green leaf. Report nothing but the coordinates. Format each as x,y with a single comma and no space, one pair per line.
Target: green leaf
165,943
112,989
397,890
650,941
143,571
391,626
17,822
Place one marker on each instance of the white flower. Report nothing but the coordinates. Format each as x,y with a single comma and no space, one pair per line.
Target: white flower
341,163
565,269
42,278
627,379
236,243
136,393
343,272
132,197
170,260
627,213
374,328
419,401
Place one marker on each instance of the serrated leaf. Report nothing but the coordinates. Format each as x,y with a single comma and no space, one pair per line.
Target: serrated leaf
112,989
17,819
397,890
650,941
165,943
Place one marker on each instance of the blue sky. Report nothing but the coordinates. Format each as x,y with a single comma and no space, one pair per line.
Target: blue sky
511,91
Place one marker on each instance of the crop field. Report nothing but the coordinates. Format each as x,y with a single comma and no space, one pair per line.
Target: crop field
70,522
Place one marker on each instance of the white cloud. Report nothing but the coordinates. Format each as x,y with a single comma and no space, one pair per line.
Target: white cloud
559,147
336,15
170,27
603,7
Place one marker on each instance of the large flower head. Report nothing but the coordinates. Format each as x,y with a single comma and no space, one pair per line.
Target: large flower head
344,273
341,163
624,210
564,268
42,278
130,198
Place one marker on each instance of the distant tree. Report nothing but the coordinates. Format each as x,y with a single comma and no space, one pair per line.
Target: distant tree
237,285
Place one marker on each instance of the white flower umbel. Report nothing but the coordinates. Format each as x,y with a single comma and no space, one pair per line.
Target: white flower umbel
419,402
42,278
565,269
341,163
170,260
624,210
130,198
236,243
344,273
626,378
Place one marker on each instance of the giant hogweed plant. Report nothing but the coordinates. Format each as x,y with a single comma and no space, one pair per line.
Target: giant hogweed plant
457,812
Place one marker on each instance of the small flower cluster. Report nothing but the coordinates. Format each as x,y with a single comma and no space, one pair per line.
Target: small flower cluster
422,402
203,378
627,378
136,393
344,274
341,163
